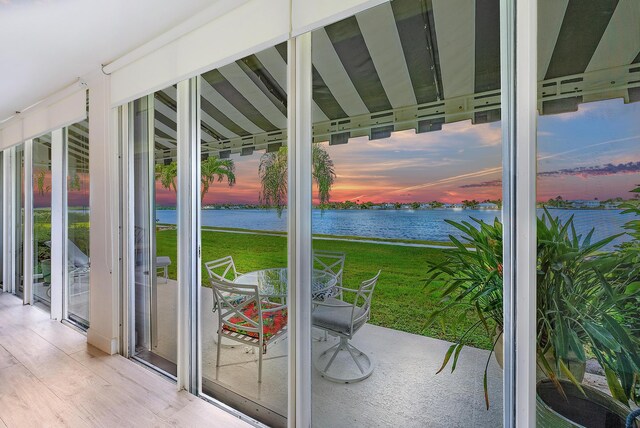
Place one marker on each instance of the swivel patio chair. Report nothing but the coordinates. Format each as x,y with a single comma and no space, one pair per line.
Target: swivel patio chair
343,319
244,317
331,262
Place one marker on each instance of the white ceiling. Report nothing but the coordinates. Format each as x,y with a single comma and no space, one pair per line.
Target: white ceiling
45,45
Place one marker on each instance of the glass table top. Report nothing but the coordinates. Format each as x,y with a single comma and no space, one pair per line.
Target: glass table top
273,282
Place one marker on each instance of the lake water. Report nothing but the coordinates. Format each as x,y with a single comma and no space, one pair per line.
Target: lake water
426,225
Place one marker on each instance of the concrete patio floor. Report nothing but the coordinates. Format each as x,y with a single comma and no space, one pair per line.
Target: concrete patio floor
402,391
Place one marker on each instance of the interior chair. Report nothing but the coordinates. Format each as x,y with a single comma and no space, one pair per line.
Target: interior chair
342,319
244,317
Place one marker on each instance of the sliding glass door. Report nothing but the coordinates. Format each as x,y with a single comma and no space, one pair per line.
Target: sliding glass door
588,230
244,215
76,204
18,220
153,291
406,168
41,170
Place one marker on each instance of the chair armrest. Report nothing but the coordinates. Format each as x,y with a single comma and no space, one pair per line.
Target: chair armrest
331,305
350,290
274,309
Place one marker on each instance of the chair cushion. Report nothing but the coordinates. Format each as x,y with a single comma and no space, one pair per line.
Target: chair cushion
272,322
337,318
163,261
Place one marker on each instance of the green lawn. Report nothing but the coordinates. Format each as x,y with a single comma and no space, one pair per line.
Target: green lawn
400,302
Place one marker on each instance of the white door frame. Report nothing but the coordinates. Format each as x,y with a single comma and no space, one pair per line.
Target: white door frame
58,224
27,288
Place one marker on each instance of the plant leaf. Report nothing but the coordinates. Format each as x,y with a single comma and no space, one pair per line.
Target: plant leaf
614,386
447,357
455,356
570,376
486,390
602,336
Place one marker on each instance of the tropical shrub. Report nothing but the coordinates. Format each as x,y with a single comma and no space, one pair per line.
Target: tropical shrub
470,280
584,303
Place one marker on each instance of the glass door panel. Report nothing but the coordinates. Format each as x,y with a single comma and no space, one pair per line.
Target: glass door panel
42,221
3,253
155,235
77,224
18,189
406,164
588,235
243,119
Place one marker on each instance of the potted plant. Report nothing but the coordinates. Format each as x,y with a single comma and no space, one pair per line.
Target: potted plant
581,305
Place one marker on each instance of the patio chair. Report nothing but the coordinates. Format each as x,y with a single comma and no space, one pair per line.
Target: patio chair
162,262
333,263
162,267
78,266
223,269
244,317
343,319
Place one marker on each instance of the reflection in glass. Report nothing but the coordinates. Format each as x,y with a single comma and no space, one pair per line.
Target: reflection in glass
42,221
155,241
244,242
77,201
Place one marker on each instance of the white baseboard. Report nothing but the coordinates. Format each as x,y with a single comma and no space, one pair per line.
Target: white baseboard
105,344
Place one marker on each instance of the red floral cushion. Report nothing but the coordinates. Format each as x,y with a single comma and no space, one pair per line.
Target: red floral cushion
272,322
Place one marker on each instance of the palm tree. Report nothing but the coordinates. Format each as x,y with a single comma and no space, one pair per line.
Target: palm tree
214,169
273,176
40,182
167,174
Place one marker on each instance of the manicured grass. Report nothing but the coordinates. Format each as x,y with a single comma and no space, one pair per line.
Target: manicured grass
400,302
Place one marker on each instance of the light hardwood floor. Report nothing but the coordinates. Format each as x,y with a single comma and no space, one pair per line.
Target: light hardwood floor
50,377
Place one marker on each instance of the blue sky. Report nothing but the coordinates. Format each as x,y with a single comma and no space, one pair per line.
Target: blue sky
591,153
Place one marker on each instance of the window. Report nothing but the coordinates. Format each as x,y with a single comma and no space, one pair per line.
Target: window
587,230
407,163
77,224
154,285
244,166
41,152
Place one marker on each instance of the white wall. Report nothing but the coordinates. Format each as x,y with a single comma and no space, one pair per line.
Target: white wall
60,109
253,26
104,281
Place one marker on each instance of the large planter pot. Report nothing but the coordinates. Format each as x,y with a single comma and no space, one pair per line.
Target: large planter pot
590,410
576,367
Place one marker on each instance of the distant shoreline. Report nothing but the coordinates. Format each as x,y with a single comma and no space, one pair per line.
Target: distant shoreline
240,207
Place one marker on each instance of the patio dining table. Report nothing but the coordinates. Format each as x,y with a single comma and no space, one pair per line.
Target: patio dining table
272,283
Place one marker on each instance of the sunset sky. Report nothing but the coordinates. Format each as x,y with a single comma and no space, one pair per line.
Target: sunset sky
592,153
